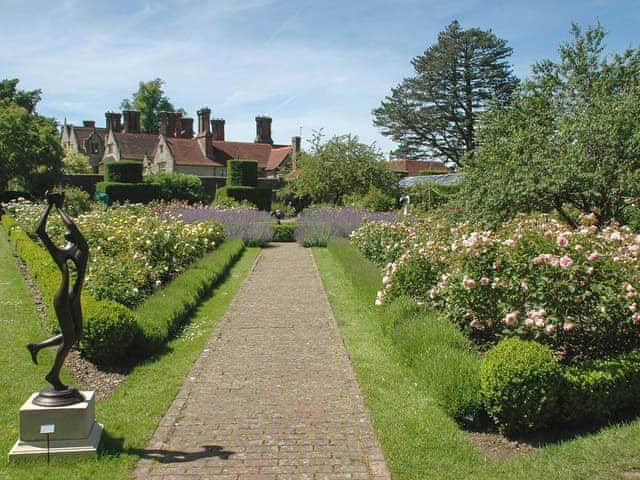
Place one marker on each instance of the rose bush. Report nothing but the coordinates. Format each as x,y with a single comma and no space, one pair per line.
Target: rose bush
132,250
574,290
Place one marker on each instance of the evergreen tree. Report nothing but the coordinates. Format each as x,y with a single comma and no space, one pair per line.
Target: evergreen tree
433,114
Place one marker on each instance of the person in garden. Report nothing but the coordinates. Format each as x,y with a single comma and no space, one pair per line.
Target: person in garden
67,300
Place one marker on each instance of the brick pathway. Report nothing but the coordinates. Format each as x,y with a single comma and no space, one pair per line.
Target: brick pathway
273,395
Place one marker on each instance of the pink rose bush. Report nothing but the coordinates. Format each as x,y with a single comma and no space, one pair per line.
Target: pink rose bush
574,290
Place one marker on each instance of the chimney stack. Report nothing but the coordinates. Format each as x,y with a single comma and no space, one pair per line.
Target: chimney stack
113,121
131,121
186,127
217,129
295,150
203,122
263,130
89,123
163,124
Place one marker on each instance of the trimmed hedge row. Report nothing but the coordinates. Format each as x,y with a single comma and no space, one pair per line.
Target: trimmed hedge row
525,389
109,328
130,192
124,171
260,197
162,315
242,173
284,232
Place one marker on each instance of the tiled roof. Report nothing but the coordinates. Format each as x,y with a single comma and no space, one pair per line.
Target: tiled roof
414,167
82,133
268,158
136,145
187,151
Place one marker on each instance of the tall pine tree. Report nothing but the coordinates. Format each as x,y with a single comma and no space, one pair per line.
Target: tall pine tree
433,114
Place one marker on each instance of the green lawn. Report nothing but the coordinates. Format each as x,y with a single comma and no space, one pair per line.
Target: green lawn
131,413
419,440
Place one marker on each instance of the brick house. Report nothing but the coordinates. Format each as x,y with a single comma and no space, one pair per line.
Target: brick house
412,168
87,139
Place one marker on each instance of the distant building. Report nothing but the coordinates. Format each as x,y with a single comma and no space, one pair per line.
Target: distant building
412,168
177,148
88,140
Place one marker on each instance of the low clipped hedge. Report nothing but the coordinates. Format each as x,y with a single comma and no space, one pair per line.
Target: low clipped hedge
178,186
109,328
260,197
163,314
520,383
130,192
124,171
284,232
242,173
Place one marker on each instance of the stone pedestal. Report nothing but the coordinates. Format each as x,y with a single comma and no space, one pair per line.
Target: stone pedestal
76,431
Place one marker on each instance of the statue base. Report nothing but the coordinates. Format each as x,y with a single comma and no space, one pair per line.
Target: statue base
50,397
72,429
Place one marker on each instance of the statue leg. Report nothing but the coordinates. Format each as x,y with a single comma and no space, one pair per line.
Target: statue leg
64,312
34,348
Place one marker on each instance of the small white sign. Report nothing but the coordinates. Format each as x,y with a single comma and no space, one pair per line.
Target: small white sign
47,429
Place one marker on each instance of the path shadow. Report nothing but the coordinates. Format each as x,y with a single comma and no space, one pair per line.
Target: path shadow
112,445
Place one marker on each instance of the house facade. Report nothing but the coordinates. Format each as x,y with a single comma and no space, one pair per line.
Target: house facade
87,139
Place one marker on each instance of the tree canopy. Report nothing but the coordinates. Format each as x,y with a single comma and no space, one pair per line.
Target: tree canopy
569,141
30,151
433,114
150,100
341,166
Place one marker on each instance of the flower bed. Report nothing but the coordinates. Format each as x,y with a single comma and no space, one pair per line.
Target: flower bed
575,291
251,226
133,250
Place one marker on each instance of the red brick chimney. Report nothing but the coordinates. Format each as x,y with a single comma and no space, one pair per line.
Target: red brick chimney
186,127
131,121
203,122
295,150
89,123
113,121
263,130
217,129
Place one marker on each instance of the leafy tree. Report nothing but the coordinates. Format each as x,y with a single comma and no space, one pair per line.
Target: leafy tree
150,100
30,151
569,141
341,166
75,162
433,114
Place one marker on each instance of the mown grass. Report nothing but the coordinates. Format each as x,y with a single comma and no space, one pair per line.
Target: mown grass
131,413
419,439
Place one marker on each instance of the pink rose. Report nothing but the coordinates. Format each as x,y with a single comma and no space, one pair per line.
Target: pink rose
566,262
484,281
593,257
567,327
509,242
579,248
475,323
468,282
550,329
511,319
562,241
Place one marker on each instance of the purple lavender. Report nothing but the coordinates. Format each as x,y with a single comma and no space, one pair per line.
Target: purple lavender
317,224
253,227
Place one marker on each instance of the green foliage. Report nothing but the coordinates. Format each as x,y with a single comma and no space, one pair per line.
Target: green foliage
284,232
129,192
223,201
108,333
376,241
29,143
162,315
339,167
75,162
425,173
600,391
260,197
150,100
242,173
124,171
434,113
570,139
521,384
177,186
426,196
76,201
374,200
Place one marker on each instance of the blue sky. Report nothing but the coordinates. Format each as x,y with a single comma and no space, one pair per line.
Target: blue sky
308,64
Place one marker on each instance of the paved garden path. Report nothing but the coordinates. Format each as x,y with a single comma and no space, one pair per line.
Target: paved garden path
273,395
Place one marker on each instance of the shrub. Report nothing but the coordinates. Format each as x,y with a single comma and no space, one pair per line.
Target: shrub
109,331
426,196
242,173
129,192
123,172
380,241
76,201
259,197
284,232
162,315
374,200
177,186
520,383
601,390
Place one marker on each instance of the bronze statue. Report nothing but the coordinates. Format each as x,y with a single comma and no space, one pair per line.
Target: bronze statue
66,303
